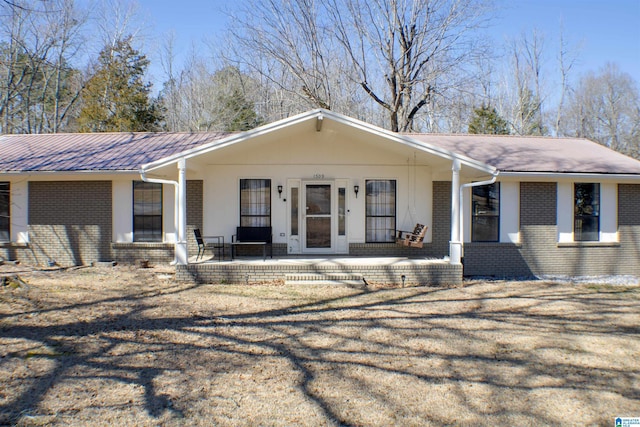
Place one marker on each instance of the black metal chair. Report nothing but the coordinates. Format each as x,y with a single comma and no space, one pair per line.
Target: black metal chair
203,244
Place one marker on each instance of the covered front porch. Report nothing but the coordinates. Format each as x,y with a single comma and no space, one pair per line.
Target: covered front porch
329,188
355,271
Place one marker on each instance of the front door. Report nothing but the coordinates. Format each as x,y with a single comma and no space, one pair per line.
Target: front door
317,218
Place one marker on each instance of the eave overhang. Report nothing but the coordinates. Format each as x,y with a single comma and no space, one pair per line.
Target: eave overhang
318,116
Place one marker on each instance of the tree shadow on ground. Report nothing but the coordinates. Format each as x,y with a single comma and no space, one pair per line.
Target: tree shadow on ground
482,354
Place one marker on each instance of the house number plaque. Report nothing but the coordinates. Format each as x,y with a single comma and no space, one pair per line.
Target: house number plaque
318,176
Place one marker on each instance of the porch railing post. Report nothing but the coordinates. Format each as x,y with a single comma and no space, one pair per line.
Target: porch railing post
181,251
455,245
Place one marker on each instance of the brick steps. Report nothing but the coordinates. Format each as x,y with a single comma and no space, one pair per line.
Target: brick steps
324,279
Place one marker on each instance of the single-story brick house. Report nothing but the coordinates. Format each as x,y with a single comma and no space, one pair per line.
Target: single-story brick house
328,185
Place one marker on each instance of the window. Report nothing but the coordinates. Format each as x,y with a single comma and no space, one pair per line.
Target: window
342,208
485,211
586,213
255,202
5,234
380,210
147,212
294,211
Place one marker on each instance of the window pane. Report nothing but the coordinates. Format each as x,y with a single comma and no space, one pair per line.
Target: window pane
380,200
318,200
147,212
586,212
485,229
255,202
319,232
485,211
587,228
294,211
5,235
380,229
341,211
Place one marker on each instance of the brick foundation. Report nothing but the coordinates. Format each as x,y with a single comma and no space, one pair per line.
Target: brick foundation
436,273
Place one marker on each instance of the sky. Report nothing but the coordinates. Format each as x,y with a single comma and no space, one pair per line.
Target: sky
604,30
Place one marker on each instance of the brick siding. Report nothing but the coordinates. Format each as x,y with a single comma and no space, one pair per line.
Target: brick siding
69,222
155,253
441,218
539,252
195,215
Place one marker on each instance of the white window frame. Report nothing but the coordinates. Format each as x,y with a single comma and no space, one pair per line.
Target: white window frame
608,212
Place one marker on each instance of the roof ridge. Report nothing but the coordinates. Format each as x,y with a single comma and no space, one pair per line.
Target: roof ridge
478,135
22,135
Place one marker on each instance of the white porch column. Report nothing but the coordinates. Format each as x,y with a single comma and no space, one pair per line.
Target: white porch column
455,245
182,256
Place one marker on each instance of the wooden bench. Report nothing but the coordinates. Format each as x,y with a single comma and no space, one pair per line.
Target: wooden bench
252,236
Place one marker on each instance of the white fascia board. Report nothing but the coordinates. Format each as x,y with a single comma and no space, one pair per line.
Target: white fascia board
314,114
409,141
555,176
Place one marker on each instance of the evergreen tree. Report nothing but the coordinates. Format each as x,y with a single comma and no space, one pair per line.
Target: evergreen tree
116,98
486,121
240,113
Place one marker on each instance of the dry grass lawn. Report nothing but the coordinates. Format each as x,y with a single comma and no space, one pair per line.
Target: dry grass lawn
130,347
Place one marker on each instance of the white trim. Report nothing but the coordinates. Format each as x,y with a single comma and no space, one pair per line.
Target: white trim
181,251
608,212
565,212
315,114
333,231
19,211
555,176
179,255
122,205
510,212
455,244
463,208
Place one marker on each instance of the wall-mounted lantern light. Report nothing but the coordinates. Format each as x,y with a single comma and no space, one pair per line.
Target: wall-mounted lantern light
280,191
356,188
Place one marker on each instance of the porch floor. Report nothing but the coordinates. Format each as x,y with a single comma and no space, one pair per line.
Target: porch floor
321,269
319,260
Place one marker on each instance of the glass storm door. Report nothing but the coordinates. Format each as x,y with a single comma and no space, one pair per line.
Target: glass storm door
318,220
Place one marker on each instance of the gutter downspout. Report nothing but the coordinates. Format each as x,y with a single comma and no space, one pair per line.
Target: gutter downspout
180,251
456,246
464,187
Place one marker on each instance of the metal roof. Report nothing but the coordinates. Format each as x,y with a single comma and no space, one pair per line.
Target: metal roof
530,154
94,151
110,152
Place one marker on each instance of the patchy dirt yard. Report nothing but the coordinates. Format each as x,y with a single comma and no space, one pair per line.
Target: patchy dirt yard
125,346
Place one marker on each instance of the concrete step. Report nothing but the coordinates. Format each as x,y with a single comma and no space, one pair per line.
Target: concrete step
324,279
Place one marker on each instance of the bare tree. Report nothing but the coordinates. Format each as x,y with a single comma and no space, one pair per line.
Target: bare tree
67,31
567,59
276,37
117,20
399,54
523,94
405,52
39,84
605,107
170,94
